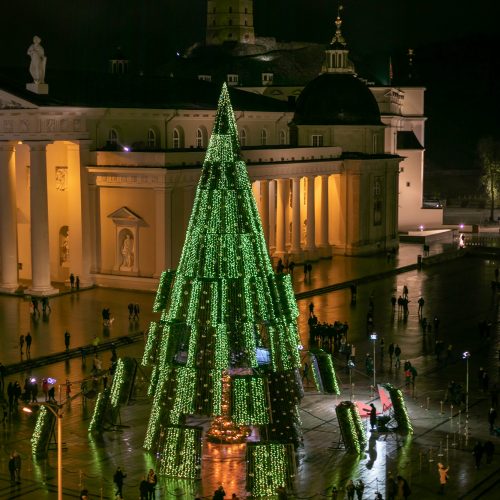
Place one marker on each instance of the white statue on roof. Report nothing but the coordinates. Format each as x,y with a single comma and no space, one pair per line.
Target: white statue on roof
38,60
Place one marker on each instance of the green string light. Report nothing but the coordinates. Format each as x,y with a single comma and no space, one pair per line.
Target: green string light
222,303
400,411
42,431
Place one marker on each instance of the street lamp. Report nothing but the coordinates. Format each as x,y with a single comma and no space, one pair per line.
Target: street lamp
351,366
373,337
57,412
466,356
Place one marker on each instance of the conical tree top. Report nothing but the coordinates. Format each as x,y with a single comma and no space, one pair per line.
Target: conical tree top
223,165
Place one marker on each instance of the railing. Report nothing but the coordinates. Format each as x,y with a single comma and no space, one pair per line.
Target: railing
484,240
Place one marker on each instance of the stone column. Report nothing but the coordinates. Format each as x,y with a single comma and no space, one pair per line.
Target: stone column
163,244
272,215
8,218
295,248
78,212
311,223
280,217
264,208
39,220
323,242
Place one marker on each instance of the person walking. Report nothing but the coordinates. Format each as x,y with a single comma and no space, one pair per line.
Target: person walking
67,338
152,480
17,462
305,372
403,488
373,417
489,450
492,416
144,488
421,303
72,281
12,469
393,302
477,452
443,477
392,487
354,293
311,309
397,354
219,493
77,283
335,493
21,343
130,310
29,340
118,480
405,292
45,388
350,489
136,311
391,353
360,488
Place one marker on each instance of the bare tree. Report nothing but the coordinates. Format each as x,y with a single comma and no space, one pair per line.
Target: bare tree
489,154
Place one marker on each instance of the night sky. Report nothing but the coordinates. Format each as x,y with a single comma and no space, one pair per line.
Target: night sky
456,45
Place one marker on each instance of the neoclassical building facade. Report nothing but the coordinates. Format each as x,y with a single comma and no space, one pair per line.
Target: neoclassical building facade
99,174
106,193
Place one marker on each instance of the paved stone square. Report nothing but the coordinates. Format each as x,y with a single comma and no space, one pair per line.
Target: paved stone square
459,292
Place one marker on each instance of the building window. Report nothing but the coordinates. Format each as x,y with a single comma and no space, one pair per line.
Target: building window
283,137
317,140
407,184
232,79
199,138
205,78
230,22
151,139
267,78
176,139
263,137
243,137
375,143
113,136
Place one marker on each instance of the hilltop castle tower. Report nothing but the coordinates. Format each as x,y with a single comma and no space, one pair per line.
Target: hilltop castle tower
230,21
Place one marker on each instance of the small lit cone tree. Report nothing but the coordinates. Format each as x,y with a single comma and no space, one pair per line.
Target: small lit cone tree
223,311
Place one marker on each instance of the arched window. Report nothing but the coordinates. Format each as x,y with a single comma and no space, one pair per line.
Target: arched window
151,139
113,136
243,137
282,136
176,139
199,138
263,137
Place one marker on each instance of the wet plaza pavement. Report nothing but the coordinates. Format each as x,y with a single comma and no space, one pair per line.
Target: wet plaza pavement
458,292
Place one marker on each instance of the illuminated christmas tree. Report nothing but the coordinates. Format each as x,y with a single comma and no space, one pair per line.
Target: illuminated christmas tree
223,312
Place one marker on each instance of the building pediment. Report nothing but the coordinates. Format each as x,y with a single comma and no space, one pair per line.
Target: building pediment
125,216
10,101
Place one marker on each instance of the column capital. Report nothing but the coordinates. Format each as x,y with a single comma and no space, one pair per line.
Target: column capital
37,145
8,145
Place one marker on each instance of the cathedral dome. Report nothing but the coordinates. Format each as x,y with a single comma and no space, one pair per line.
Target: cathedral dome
336,99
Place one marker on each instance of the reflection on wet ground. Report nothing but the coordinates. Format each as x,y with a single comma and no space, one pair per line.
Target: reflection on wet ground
458,292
